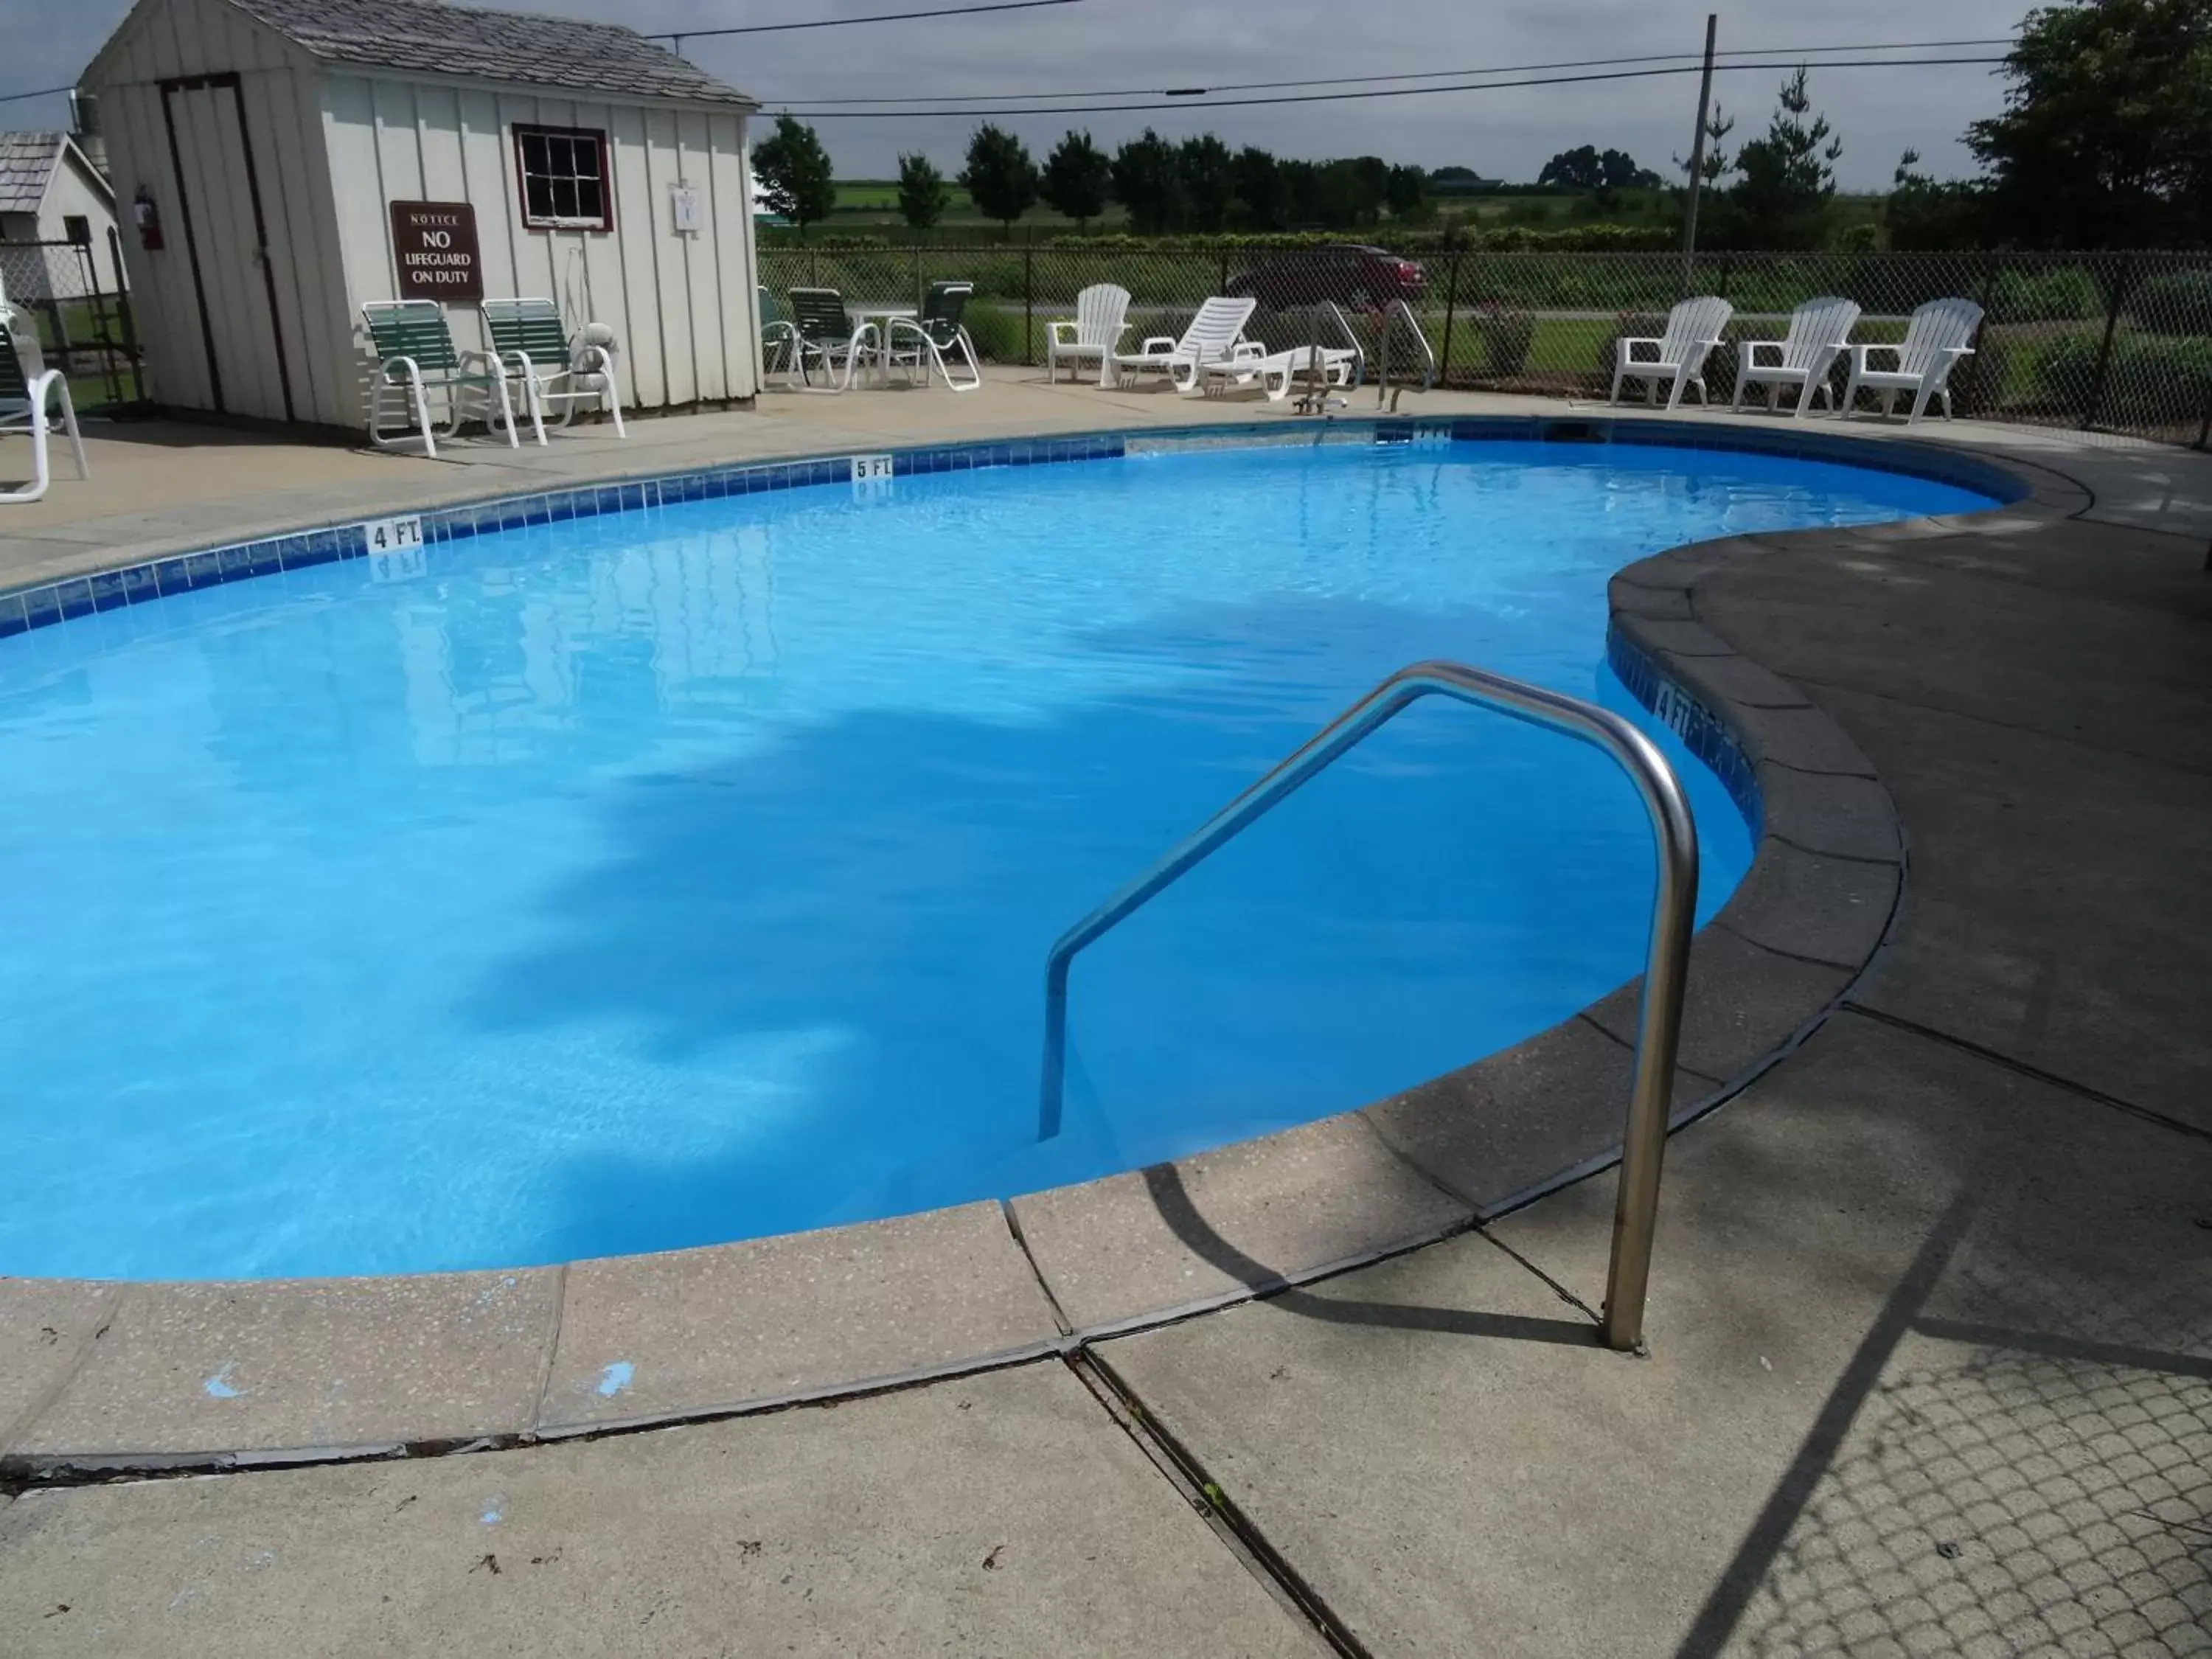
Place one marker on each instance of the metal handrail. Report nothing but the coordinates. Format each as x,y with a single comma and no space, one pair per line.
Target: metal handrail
1658,1027
1398,307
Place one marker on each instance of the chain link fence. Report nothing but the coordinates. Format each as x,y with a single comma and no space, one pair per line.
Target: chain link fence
2113,342
80,315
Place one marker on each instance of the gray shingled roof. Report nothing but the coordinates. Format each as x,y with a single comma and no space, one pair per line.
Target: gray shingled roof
27,162
495,45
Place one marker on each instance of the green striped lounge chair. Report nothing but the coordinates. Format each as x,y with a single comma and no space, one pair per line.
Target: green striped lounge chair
532,344
418,366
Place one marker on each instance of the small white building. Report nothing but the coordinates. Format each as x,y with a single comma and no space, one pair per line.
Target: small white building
280,160
50,191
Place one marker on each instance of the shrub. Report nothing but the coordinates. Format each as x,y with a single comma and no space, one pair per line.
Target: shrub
1507,332
2061,294
2173,302
2151,378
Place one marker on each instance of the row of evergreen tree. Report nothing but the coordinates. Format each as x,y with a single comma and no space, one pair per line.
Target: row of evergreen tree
1199,185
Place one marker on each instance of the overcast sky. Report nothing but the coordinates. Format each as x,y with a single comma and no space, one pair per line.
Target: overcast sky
1112,43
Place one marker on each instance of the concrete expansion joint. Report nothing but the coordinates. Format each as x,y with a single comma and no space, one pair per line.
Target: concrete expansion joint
1822,851
1197,1487
2027,1069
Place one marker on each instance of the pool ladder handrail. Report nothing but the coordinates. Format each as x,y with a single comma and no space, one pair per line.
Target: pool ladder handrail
1382,392
1659,1018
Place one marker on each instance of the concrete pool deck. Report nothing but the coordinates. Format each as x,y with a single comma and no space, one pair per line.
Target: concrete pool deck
1932,1317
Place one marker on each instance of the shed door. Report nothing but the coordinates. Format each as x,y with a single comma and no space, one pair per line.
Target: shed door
227,244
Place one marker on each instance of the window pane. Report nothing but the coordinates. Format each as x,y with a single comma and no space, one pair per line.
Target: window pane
564,198
539,193
587,158
588,205
533,153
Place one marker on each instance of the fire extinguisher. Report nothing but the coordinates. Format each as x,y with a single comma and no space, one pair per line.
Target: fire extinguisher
148,217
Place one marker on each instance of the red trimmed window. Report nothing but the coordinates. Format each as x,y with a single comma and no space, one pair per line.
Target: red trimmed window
564,176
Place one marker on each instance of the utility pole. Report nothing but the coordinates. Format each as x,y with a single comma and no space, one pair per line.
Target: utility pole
1698,153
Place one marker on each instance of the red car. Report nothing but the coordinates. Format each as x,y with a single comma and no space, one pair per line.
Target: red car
1364,278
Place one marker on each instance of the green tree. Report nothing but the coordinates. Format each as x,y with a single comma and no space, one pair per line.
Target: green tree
999,175
1788,178
1617,170
1077,178
1406,194
795,175
2106,140
1580,169
923,194
1147,183
1925,217
1368,179
1262,201
1208,184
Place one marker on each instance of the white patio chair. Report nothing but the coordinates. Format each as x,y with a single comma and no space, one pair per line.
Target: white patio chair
1694,329
1101,320
936,338
532,343
1935,341
23,399
1819,333
828,335
1215,335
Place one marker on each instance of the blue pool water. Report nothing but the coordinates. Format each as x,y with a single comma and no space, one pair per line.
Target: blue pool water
684,876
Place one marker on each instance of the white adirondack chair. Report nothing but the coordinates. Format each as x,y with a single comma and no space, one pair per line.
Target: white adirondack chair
1935,341
1819,333
1694,329
1215,335
1101,320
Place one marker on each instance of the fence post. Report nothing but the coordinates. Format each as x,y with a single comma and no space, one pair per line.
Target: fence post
2105,347
1028,300
917,268
813,269
123,315
1451,300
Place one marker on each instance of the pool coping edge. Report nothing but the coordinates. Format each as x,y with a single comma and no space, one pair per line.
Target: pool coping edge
1259,1183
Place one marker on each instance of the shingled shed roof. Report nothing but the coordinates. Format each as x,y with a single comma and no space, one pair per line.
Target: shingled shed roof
27,162
432,37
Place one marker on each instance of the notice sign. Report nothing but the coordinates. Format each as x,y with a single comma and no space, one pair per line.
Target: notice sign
435,244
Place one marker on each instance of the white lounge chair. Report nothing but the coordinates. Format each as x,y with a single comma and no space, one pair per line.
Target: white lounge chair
1935,341
532,343
1101,320
1819,333
1215,335
1279,373
1694,329
23,399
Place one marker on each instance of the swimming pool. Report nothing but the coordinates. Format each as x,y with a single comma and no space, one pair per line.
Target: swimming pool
686,875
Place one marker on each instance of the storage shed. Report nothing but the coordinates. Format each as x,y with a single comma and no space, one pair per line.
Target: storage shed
280,162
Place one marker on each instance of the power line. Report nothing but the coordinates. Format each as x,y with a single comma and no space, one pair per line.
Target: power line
681,36
825,114
43,92
1407,74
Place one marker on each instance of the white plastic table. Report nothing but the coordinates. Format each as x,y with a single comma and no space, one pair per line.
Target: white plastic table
881,316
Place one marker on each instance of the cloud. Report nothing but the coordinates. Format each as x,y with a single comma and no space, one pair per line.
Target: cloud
1109,44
